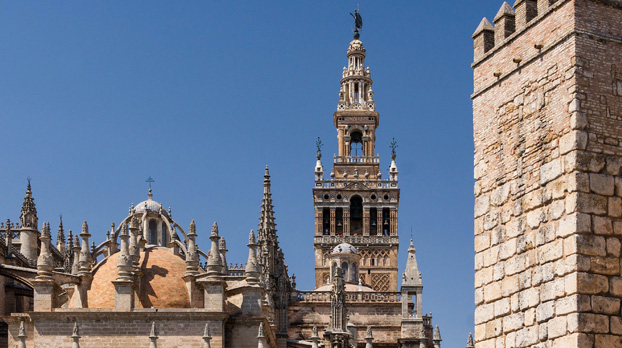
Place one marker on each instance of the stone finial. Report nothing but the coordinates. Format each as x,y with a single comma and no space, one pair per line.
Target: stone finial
75,267
22,328
437,334
85,254
369,338
76,331
124,262
251,270
223,255
206,336
412,276
192,256
262,332
152,334
192,230
470,343
214,263
315,334
315,338
45,262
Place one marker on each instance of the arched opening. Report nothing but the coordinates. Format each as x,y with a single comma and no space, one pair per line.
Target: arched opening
356,216
339,221
164,234
153,232
326,221
373,221
344,268
385,221
334,270
356,143
354,274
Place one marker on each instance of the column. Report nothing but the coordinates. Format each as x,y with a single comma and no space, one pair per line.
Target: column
366,221
419,303
379,222
346,221
341,142
393,222
332,221
160,237
318,221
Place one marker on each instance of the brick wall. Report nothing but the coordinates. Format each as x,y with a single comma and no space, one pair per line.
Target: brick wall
547,125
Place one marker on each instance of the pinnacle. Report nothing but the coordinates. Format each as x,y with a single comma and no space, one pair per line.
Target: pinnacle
484,25
505,10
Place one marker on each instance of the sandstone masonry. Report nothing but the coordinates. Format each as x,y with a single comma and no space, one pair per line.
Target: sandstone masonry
547,127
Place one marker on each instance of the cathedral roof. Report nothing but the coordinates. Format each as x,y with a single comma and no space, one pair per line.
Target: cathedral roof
344,248
163,286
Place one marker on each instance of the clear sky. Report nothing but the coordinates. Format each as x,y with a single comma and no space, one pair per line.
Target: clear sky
201,95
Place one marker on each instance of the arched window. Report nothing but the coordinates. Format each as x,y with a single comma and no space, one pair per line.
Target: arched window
344,268
153,232
354,273
164,234
334,271
356,216
356,143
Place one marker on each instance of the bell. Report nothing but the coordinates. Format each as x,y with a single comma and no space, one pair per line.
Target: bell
339,224
386,222
373,222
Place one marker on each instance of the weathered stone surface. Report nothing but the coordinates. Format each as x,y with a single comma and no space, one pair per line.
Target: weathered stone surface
601,184
550,171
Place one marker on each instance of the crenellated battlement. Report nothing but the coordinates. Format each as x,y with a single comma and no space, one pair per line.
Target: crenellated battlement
510,22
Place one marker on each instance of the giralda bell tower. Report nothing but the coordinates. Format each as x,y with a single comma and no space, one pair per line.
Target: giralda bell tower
355,204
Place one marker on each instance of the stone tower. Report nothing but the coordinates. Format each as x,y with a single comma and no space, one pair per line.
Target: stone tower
547,128
355,205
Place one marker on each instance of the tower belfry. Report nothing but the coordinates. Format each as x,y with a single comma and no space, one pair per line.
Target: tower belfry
355,205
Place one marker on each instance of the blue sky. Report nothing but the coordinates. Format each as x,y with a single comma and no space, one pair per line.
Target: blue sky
97,96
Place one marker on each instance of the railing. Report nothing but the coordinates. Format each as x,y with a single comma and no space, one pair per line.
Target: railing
352,296
356,239
369,183
357,159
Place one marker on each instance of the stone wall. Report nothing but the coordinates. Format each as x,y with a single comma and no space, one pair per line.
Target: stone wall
385,319
547,125
116,330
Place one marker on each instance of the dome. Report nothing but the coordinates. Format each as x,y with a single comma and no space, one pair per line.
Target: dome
149,206
162,283
344,248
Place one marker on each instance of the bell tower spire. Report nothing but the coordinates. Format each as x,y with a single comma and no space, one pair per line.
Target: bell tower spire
355,205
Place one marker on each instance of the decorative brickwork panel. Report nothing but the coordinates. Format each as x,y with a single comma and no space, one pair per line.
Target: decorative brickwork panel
380,281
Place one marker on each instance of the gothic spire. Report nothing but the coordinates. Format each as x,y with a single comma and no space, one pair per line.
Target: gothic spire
267,227
28,217
411,276
60,237
470,343
214,263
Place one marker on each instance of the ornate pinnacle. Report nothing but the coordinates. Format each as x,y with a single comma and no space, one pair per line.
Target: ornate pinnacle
76,331
393,146
152,333
192,230
85,255
261,333
251,270
22,329
437,334
45,262
124,262
470,343
28,217
214,263
75,267
315,335
318,144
